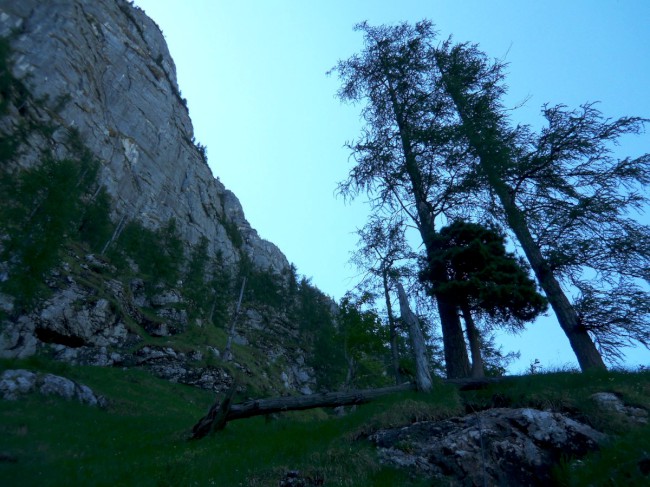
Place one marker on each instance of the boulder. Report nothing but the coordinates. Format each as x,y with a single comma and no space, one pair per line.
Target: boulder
18,382
514,447
608,401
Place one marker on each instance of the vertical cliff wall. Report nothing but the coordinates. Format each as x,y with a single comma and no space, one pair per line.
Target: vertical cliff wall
102,67
86,83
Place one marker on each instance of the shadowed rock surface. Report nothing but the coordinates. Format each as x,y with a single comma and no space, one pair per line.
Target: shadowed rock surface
514,447
16,383
103,67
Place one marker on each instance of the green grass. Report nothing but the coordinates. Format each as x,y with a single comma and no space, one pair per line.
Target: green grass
140,438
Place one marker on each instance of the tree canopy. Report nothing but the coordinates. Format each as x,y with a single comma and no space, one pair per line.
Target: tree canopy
482,274
438,145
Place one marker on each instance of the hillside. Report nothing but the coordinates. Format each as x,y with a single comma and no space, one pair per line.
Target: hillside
133,291
140,436
119,247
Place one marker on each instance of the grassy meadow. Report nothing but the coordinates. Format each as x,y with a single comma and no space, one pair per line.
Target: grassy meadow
141,437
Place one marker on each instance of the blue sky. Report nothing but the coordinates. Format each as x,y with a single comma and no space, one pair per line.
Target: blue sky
253,73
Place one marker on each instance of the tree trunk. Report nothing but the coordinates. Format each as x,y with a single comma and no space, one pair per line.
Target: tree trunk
485,137
223,412
227,354
352,371
394,351
422,373
478,371
579,339
456,360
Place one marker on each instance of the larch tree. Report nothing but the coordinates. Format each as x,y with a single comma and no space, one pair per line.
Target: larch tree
438,143
569,202
382,247
407,160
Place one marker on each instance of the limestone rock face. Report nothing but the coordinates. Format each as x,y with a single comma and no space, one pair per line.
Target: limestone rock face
96,75
514,447
102,67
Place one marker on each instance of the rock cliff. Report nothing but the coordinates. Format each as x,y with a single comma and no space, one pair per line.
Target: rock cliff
88,86
103,67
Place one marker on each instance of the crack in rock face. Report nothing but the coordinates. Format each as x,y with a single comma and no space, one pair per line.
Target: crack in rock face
494,447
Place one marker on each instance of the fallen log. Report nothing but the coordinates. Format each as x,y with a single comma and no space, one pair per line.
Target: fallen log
222,412
215,420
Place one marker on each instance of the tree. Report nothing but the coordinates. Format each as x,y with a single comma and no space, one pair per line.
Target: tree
381,246
483,279
364,341
439,136
422,373
401,163
567,200
41,209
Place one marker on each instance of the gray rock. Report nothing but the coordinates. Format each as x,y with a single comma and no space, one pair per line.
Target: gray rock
168,364
609,401
239,339
514,447
60,386
17,339
214,351
285,380
6,302
167,297
14,383
255,320
110,64
73,316
97,356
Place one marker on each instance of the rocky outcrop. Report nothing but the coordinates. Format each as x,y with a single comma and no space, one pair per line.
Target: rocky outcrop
16,383
174,366
514,447
611,403
96,76
102,67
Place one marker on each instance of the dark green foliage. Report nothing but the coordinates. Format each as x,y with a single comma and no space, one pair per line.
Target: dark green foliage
157,253
206,285
483,274
12,90
96,226
44,207
196,287
41,209
234,235
263,287
292,281
365,341
221,292
6,78
314,315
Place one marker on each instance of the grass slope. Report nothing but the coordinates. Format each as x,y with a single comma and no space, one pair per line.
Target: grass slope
140,439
